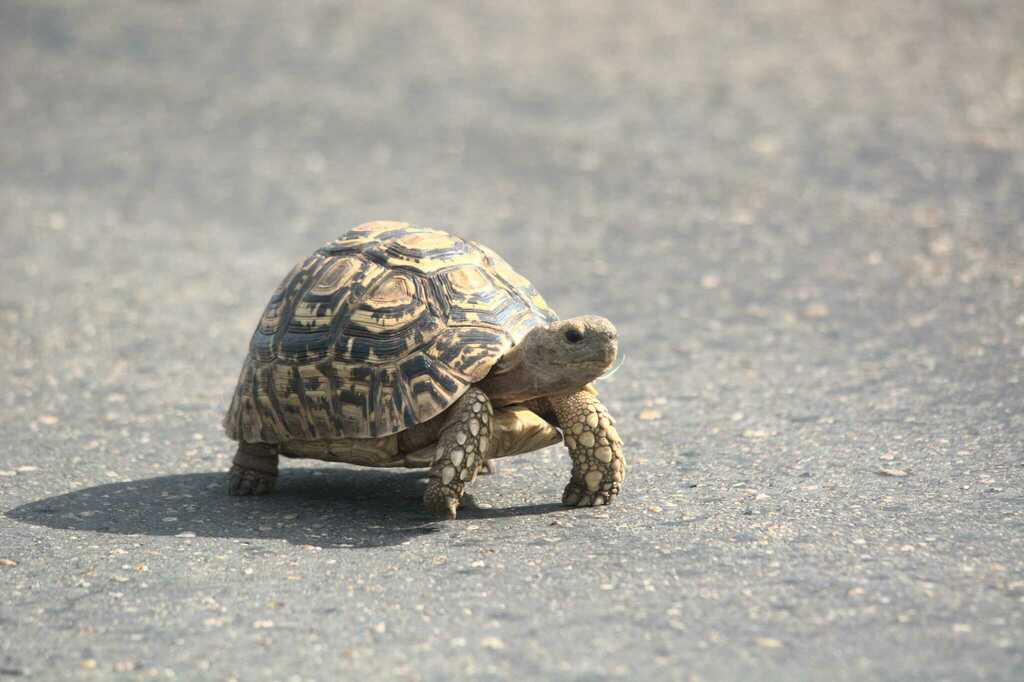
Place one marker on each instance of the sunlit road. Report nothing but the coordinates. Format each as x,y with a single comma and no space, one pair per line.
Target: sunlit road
805,218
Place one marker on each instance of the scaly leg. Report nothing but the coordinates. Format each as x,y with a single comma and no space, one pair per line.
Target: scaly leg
461,450
254,471
598,465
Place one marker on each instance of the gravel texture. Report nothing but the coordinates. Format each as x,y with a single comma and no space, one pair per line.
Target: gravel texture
806,219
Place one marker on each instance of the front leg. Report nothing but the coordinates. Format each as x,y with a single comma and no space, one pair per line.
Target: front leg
598,466
461,449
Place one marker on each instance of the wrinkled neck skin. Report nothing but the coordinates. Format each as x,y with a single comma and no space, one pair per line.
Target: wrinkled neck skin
544,365
512,380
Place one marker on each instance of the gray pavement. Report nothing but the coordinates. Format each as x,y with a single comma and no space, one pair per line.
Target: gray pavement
806,219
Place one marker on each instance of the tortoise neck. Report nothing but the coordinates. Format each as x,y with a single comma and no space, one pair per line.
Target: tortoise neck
510,380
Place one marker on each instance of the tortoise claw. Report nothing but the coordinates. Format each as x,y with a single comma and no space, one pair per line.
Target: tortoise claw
438,503
243,482
445,508
577,495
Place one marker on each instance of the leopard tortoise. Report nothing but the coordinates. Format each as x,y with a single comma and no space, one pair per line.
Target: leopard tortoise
402,346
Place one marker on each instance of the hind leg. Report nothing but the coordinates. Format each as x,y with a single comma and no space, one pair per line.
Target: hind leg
461,448
254,470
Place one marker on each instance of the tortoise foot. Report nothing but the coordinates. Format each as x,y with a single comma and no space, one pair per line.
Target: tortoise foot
595,447
440,500
242,482
490,467
578,495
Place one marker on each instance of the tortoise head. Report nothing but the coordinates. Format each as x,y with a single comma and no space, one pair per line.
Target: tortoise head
559,358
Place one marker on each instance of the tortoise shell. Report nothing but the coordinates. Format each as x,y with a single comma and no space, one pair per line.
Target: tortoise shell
379,330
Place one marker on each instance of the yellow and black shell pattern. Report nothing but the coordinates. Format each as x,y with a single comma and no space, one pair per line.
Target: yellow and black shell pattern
379,330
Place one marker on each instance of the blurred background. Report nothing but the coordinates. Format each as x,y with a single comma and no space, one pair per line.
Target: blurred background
805,217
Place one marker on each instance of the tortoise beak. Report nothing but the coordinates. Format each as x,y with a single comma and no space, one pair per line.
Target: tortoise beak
612,370
606,334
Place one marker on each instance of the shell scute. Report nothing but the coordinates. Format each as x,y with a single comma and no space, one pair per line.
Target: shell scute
471,349
379,330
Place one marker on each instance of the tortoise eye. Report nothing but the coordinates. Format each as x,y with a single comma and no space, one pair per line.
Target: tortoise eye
573,335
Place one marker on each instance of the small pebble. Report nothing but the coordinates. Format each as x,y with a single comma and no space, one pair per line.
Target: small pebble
492,643
898,473
710,281
768,643
816,310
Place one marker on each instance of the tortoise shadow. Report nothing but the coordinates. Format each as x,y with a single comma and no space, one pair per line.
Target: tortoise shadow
332,507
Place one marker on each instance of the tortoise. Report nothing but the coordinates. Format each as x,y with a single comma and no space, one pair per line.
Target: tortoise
403,346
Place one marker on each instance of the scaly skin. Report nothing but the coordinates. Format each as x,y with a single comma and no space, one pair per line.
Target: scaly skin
461,450
254,470
598,466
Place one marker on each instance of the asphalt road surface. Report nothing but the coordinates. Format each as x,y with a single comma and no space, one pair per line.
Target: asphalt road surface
806,219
